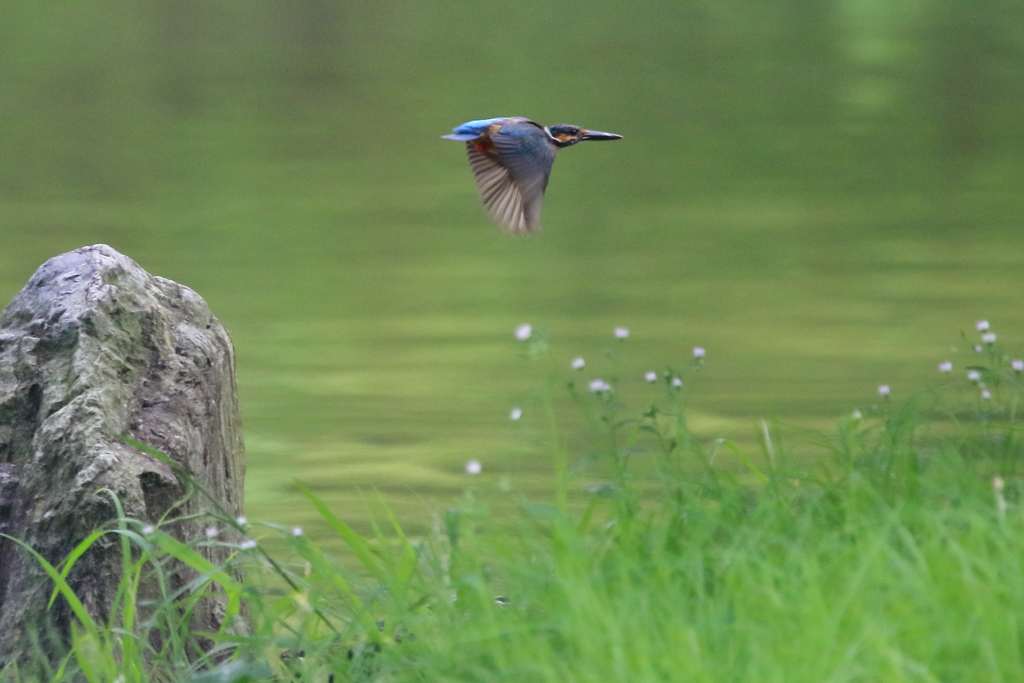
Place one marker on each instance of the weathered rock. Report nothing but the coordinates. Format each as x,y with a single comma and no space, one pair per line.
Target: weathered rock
94,348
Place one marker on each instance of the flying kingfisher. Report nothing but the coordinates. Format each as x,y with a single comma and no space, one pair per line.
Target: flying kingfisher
511,160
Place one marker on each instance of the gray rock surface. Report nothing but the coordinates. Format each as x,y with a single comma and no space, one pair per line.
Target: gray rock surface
93,348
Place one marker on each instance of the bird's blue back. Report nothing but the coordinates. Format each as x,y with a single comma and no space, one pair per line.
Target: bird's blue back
480,126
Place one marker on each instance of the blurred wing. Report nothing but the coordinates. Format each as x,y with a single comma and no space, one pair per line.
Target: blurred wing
500,193
527,153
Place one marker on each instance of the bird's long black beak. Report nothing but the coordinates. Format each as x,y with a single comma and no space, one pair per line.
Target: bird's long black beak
598,135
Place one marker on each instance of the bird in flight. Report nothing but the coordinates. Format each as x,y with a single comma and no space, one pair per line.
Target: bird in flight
511,159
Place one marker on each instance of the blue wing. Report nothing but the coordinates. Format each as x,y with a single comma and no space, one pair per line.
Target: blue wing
511,173
526,151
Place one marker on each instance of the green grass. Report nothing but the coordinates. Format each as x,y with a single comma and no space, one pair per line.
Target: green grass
895,553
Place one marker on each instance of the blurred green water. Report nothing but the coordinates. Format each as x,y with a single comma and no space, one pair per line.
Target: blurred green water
823,195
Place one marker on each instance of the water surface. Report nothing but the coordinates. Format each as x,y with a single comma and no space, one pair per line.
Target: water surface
822,195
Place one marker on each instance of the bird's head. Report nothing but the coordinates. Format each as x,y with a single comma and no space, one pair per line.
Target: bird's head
566,135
